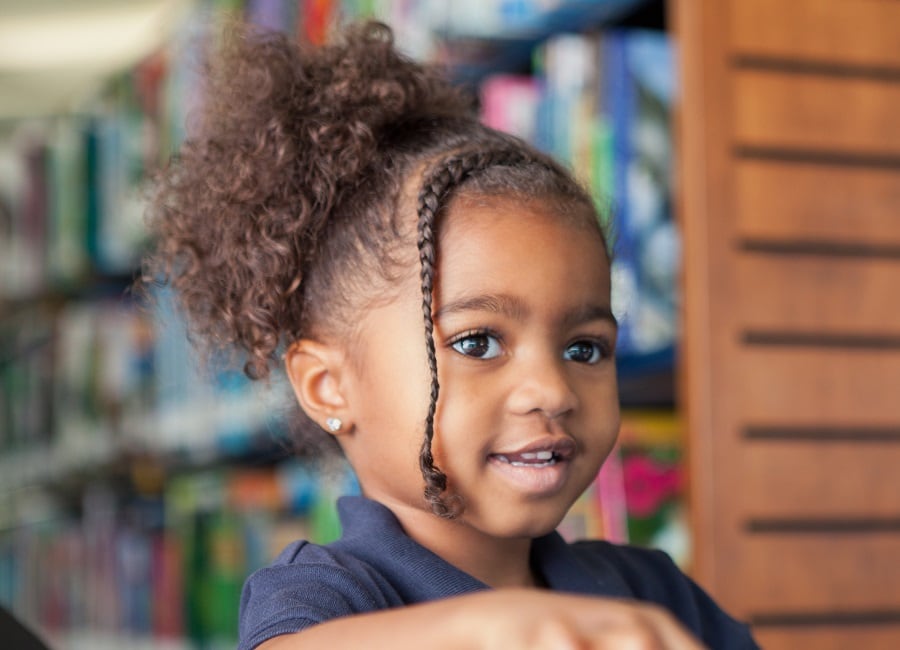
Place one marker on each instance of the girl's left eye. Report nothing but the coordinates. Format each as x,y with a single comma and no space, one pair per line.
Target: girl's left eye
479,346
585,352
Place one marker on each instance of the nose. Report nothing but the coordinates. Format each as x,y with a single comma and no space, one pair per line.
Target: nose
541,385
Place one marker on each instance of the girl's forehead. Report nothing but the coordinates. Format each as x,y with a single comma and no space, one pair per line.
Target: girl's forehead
522,253
530,233
481,209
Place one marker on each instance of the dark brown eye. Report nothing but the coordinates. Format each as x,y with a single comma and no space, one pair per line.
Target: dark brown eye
585,352
479,346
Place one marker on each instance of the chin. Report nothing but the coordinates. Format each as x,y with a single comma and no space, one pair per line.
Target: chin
526,525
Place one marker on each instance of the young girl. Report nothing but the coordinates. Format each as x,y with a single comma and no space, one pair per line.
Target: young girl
440,295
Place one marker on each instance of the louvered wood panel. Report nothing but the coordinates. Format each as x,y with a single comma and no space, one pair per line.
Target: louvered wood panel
850,636
797,384
789,153
782,111
820,472
806,201
790,573
848,32
820,295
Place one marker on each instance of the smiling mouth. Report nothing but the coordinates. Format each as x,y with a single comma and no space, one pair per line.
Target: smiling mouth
537,455
539,469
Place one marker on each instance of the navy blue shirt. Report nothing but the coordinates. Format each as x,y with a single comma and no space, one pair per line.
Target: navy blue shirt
375,565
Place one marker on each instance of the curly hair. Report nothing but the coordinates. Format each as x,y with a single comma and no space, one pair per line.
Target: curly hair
287,197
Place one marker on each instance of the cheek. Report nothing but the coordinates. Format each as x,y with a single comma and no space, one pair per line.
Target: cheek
396,390
605,396
603,418
469,415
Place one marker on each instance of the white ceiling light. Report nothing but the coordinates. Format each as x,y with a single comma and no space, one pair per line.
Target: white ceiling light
52,53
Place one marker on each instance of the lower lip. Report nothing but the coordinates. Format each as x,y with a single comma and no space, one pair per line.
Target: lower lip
536,481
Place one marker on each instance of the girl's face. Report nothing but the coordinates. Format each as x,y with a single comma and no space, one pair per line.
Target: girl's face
528,408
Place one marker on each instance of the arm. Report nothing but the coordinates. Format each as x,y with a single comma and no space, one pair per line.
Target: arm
514,618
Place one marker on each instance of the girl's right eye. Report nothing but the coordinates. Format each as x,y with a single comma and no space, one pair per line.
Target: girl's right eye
478,346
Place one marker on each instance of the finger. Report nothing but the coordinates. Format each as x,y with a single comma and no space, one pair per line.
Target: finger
672,634
628,624
556,635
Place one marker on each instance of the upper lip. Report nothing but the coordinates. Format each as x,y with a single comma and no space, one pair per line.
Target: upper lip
561,447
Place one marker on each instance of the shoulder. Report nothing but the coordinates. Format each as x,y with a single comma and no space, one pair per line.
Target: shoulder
652,576
305,585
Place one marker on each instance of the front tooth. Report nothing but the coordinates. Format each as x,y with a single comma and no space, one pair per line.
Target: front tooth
536,455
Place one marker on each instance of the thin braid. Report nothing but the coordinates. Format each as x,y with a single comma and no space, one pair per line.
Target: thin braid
439,183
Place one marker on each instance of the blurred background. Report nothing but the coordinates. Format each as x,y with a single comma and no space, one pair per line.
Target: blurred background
746,156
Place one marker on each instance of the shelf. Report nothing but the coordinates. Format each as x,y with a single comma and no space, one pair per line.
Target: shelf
92,285
97,640
474,56
184,437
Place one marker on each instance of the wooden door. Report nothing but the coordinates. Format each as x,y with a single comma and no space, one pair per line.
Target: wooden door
789,160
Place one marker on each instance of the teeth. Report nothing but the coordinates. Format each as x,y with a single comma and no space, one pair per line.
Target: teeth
548,463
539,455
530,459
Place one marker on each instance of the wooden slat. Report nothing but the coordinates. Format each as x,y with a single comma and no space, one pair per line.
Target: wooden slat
812,479
817,113
859,32
870,637
808,573
808,293
814,385
777,200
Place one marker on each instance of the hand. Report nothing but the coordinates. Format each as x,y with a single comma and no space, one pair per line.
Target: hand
503,619
536,620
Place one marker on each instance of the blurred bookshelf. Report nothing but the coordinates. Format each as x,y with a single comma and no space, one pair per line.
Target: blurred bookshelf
138,490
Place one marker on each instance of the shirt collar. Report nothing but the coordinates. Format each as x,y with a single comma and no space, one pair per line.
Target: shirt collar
564,570
372,533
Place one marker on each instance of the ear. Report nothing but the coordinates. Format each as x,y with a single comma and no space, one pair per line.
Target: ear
314,370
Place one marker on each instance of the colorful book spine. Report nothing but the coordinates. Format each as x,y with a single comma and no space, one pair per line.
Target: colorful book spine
509,103
157,568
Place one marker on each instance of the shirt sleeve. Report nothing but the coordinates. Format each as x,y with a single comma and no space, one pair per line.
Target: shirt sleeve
652,576
306,585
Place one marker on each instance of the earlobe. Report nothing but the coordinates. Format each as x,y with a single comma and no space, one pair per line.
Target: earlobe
314,370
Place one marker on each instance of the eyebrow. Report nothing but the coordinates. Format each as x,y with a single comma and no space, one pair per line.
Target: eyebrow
515,308
495,303
590,313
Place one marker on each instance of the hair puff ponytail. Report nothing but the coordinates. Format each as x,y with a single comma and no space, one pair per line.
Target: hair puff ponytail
286,137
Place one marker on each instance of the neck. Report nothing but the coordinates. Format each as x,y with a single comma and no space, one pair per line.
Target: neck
497,562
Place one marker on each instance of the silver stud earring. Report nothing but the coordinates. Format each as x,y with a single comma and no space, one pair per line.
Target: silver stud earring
334,424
